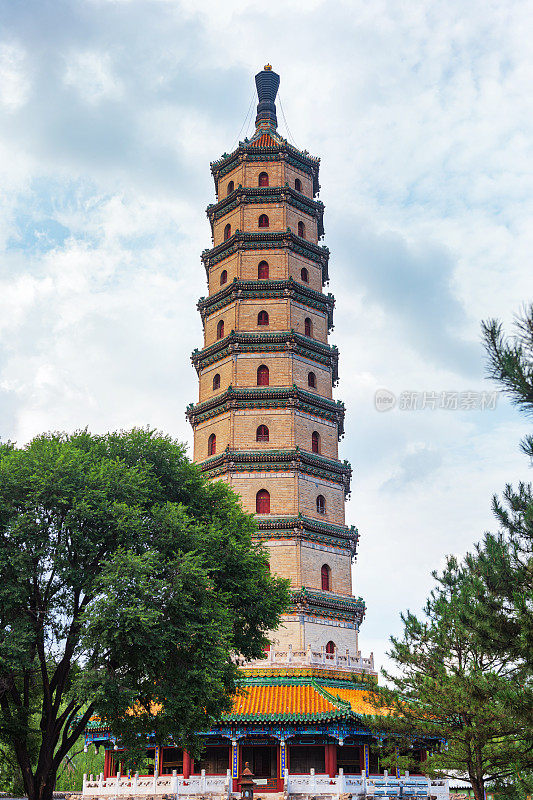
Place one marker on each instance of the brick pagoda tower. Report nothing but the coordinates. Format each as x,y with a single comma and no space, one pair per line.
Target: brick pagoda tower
266,422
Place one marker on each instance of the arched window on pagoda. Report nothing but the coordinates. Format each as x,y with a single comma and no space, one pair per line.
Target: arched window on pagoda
308,327
220,329
262,502
262,270
262,318
301,229
231,187
264,221
325,576
298,185
262,375
330,648
212,445
321,504
263,179
223,277
304,274
262,434
315,442
227,231
311,379
216,381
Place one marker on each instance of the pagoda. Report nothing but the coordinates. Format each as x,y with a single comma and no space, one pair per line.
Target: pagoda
266,424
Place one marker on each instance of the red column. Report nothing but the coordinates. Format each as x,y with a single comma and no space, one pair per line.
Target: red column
107,764
362,766
333,761
186,765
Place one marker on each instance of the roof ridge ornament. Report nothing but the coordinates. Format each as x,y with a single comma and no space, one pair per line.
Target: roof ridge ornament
267,84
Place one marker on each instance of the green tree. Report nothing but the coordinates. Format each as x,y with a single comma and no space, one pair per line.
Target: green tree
445,688
129,586
501,615
503,562
510,362
78,761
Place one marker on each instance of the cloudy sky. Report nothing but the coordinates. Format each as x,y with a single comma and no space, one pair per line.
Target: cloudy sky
110,112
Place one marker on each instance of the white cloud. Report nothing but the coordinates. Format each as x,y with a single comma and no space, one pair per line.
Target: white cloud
14,78
91,74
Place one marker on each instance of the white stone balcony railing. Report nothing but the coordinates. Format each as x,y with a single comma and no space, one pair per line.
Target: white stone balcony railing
313,785
359,786
150,785
349,662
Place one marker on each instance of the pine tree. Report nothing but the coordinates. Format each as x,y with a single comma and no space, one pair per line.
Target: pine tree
448,692
503,562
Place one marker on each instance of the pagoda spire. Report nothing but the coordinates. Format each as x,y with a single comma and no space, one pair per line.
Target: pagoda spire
267,84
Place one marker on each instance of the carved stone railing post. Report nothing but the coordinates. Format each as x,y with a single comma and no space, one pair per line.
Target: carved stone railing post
341,787
229,783
174,782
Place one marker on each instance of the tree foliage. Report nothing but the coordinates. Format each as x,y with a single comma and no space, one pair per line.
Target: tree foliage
510,362
452,694
128,585
503,562
466,669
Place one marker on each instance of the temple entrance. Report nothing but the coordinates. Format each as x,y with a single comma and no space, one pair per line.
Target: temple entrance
262,759
350,758
172,759
215,760
303,758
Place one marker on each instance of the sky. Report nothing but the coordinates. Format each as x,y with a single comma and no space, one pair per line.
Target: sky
422,115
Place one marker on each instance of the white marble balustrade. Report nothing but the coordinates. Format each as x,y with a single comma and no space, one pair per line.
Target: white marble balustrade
374,786
144,785
317,785
350,662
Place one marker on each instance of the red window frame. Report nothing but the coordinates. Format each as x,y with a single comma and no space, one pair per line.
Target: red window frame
325,578
263,270
262,434
263,375
262,502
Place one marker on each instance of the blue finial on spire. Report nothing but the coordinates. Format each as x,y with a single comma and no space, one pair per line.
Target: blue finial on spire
267,84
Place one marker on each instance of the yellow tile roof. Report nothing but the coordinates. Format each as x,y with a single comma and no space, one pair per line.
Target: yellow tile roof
358,699
298,701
